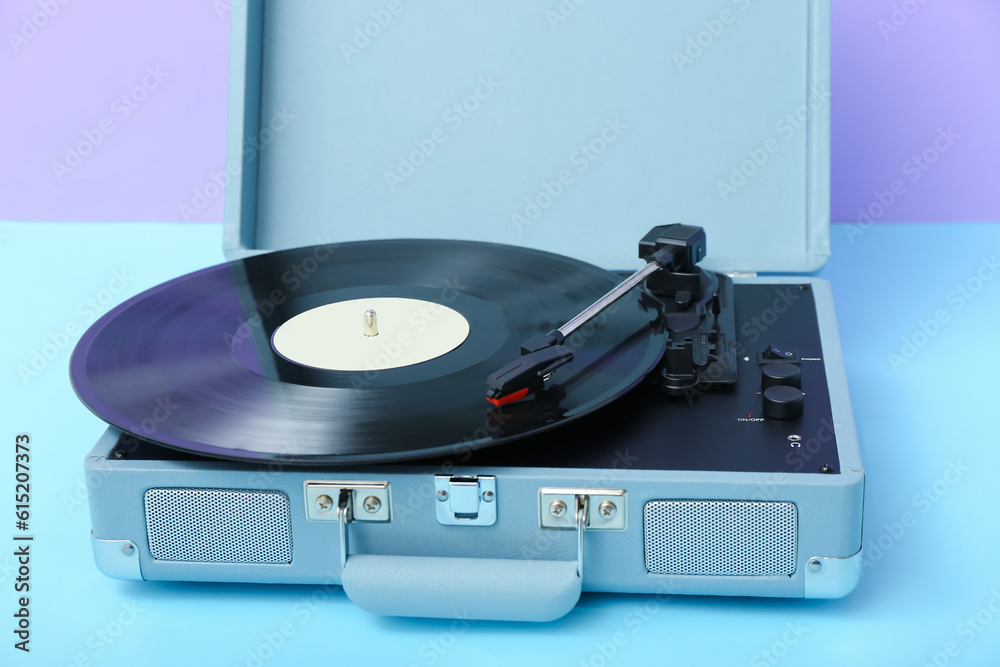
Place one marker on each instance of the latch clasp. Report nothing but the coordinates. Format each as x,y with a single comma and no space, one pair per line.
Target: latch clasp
603,509
466,501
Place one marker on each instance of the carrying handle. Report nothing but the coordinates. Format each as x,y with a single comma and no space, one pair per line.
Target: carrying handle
464,589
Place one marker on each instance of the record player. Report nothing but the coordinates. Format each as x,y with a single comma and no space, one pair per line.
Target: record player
454,412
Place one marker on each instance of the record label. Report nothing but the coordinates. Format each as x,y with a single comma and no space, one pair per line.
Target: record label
370,334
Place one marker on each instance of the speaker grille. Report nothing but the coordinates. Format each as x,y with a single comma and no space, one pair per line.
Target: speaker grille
720,537
219,525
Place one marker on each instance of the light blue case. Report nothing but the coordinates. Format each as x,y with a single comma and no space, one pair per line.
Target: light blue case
703,87
573,129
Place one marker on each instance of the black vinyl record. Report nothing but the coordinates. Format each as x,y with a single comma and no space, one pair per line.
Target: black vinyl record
190,364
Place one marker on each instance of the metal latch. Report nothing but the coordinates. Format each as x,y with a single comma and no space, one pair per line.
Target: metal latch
366,501
466,501
600,509
346,502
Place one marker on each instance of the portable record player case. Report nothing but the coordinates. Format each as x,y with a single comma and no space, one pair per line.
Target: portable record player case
713,114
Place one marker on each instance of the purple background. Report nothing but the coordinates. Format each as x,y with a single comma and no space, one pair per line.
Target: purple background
894,90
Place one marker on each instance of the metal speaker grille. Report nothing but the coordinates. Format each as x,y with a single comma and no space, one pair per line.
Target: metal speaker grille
219,526
720,537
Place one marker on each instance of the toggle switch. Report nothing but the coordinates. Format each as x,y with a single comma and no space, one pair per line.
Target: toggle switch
772,353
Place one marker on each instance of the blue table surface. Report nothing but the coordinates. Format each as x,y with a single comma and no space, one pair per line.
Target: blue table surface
926,418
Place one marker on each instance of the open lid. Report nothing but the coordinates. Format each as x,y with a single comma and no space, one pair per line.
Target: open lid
571,127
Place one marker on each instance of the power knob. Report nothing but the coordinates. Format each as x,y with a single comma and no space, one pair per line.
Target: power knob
782,402
780,375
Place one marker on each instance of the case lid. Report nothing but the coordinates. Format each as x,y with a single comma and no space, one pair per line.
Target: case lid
571,127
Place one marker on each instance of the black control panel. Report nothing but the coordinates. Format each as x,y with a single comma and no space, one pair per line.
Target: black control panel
775,418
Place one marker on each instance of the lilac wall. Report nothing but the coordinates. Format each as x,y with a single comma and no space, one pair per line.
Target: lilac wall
904,72
65,80
143,86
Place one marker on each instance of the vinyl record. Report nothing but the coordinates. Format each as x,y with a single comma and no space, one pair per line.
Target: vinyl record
237,361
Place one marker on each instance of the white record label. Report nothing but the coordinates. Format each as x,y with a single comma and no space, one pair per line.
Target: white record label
336,336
